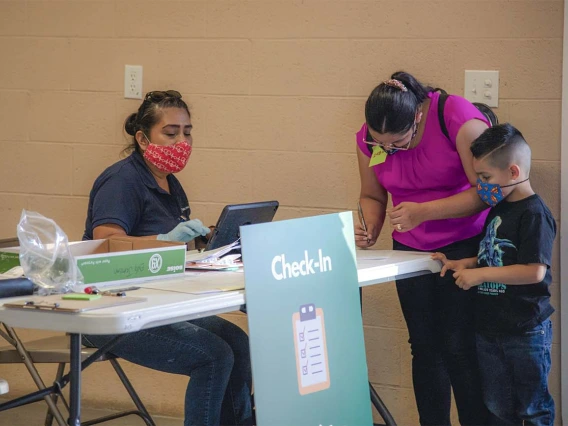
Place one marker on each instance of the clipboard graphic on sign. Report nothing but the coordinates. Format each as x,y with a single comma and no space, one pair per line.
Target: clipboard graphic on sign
311,349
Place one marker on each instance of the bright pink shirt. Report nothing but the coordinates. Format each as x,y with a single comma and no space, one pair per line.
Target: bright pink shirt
431,171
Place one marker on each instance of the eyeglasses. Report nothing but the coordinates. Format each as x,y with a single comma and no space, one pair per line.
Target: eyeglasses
158,95
369,140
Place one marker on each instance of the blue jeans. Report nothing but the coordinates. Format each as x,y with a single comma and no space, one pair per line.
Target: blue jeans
439,317
514,374
212,351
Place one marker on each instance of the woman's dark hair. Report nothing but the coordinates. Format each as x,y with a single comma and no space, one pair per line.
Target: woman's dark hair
149,114
390,108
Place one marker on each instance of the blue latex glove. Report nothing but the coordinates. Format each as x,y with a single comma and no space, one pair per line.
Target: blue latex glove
185,231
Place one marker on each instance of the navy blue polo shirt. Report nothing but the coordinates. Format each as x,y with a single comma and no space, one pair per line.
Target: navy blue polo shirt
127,194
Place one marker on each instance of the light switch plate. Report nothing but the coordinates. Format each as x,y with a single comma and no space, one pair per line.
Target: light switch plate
482,86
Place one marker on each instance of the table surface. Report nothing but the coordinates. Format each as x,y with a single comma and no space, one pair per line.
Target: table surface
182,298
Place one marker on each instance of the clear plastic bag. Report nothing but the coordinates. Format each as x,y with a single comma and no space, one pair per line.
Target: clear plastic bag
45,255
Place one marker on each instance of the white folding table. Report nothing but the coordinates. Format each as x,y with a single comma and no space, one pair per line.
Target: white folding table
172,300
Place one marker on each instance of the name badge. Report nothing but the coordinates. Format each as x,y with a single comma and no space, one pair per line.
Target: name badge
379,156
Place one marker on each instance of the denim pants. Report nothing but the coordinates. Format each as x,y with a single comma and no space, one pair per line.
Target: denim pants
514,376
440,321
212,351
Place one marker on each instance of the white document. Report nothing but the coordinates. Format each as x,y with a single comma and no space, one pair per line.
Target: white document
210,255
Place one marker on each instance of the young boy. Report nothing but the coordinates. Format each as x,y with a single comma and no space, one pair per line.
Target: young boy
512,276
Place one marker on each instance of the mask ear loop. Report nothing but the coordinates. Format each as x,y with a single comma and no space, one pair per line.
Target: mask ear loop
513,184
142,147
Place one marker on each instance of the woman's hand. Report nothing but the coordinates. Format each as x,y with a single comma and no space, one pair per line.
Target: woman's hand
365,239
406,216
185,231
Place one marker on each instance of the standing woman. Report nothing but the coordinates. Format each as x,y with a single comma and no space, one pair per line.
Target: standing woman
139,197
403,152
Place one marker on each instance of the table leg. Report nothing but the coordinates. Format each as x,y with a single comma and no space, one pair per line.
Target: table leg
75,381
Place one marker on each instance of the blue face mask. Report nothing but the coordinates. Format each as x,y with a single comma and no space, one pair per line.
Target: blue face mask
392,150
491,193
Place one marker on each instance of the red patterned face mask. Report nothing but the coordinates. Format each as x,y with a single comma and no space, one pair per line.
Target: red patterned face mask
168,158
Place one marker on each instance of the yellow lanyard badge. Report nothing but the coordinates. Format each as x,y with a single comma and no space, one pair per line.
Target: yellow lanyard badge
379,156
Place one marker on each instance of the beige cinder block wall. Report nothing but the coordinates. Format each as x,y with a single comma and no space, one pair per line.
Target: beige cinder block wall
277,90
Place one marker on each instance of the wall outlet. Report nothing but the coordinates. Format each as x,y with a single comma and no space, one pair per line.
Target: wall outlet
482,86
133,81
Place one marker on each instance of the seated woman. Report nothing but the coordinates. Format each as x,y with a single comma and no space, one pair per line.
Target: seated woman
139,197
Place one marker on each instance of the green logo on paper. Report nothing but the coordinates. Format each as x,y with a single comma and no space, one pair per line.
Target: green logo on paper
155,263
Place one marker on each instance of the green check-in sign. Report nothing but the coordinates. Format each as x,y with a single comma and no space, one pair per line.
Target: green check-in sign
306,332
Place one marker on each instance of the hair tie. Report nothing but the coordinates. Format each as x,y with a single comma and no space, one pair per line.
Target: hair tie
396,83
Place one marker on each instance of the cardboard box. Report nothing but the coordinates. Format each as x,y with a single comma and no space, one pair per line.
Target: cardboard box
116,260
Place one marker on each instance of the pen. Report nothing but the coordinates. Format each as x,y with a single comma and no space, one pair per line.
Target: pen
362,219
114,292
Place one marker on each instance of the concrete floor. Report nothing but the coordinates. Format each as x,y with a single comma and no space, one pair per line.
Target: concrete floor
34,415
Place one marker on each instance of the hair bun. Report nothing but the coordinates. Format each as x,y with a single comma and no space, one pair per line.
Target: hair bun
130,124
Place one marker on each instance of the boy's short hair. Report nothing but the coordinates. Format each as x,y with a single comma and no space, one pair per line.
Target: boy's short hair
503,145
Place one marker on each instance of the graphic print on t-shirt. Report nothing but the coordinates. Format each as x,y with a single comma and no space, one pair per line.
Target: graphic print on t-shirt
491,252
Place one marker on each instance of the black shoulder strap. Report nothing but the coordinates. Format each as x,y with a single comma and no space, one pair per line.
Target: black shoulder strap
487,112
441,104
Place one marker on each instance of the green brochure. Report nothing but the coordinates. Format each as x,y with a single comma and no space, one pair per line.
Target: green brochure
304,315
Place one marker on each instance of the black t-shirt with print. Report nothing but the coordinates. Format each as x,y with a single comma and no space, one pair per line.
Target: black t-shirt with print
515,233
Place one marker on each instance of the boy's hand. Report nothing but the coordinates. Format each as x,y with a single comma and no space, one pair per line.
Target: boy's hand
447,264
468,278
